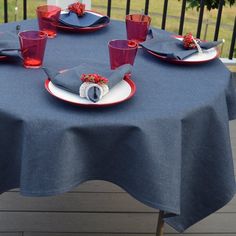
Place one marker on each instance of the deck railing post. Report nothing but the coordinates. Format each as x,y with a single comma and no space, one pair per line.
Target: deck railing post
127,7
206,29
109,8
182,16
5,11
146,7
231,51
200,18
165,7
25,9
220,8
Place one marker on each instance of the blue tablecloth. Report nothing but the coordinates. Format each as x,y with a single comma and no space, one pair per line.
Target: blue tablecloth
168,146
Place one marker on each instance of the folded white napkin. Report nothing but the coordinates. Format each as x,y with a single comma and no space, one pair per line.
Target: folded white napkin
70,79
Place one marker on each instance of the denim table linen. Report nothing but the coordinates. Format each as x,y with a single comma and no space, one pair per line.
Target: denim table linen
9,44
87,20
168,146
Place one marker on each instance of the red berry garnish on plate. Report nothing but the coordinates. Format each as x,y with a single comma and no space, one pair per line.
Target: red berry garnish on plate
78,8
188,41
94,78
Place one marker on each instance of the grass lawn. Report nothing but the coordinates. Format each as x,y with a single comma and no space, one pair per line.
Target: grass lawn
155,10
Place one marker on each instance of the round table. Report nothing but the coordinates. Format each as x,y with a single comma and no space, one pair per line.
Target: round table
168,146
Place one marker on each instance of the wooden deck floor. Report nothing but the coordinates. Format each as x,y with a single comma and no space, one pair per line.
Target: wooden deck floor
99,208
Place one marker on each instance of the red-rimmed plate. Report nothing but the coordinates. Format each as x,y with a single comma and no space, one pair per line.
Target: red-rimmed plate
82,29
197,58
118,94
3,58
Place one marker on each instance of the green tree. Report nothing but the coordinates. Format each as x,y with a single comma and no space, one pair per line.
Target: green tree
210,4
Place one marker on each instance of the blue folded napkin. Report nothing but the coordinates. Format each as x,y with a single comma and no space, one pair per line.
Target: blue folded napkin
9,44
69,80
87,20
173,48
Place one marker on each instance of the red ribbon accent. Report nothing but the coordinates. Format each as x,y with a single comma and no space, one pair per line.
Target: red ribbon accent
188,41
94,78
78,8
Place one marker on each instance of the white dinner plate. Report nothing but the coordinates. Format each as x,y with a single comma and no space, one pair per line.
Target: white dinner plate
197,58
119,93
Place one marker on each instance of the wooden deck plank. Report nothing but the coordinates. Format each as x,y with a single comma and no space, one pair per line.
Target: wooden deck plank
98,186
82,202
108,222
12,234
74,202
232,128
93,186
130,218
111,234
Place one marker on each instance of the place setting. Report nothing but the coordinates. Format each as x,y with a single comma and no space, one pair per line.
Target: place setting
97,84
87,84
77,19
181,49
94,84
170,47
27,46
73,19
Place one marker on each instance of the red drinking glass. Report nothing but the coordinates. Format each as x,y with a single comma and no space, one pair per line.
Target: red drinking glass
122,52
137,26
32,44
48,16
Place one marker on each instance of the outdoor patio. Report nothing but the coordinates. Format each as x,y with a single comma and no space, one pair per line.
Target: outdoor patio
100,208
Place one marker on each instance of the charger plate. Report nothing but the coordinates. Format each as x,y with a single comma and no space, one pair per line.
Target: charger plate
3,58
197,58
118,94
93,28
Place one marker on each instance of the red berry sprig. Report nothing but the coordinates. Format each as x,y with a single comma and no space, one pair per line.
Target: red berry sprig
188,41
94,78
78,8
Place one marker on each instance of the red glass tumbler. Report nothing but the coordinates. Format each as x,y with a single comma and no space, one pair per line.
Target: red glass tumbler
137,26
122,52
48,16
32,44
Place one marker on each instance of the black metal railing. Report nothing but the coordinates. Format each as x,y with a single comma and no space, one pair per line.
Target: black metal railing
200,18
5,7
217,28
165,8
232,46
25,9
164,18
182,18
5,11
